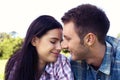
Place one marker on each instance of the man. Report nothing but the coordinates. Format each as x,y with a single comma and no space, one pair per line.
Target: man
85,36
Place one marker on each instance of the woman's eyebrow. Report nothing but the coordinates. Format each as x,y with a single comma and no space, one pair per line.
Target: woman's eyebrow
57,38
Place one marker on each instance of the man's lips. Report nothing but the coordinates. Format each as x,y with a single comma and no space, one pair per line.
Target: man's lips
71,52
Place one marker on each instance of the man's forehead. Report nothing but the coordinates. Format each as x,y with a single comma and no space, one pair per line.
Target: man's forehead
68,28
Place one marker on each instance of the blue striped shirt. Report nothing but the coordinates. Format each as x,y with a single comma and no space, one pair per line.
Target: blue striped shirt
109,69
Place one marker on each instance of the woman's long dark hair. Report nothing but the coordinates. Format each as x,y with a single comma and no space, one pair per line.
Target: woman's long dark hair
23,63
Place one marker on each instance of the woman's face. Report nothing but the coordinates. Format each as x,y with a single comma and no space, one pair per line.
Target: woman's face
49,45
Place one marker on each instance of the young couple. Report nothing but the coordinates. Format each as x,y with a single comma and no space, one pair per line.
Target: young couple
94,55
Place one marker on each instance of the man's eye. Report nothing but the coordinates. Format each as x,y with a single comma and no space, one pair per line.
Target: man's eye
68,39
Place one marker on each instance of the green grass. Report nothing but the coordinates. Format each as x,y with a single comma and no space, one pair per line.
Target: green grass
2,67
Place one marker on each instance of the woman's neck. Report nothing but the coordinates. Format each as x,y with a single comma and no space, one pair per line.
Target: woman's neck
40,69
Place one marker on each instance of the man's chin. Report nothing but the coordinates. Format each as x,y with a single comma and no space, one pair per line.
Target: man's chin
74,58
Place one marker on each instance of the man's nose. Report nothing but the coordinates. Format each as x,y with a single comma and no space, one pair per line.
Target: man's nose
64,45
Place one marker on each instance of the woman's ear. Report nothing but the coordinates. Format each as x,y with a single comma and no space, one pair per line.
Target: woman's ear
34,41
90,39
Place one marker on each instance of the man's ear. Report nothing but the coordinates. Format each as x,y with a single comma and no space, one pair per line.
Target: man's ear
90,39
34,41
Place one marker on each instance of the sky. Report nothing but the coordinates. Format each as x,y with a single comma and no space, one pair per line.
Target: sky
17,15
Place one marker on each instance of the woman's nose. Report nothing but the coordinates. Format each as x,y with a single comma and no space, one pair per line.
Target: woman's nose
64,45
58,47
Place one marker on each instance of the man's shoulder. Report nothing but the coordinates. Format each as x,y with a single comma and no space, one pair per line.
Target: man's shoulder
115,43
115,53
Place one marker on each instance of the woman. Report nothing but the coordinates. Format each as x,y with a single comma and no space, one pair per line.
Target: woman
39,57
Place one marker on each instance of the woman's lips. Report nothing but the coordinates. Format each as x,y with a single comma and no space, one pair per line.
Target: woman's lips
56,54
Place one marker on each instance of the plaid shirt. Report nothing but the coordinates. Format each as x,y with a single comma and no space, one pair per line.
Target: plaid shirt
60,70
109,69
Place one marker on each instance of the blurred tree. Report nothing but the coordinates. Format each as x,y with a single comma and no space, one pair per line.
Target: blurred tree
118,36
4,35
65,52
13,34
9,45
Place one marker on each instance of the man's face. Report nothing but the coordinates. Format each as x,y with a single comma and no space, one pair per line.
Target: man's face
72,42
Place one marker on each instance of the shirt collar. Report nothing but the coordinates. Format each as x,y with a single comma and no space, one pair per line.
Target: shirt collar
49,68
106,63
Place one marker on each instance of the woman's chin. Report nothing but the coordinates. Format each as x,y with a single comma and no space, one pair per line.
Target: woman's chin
53,60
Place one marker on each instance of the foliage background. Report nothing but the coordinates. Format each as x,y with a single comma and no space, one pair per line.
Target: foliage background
9,44
2,67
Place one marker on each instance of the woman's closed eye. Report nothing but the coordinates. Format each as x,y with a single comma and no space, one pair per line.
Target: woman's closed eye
53,42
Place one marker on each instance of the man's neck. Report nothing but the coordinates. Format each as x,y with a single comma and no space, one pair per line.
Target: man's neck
97,56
